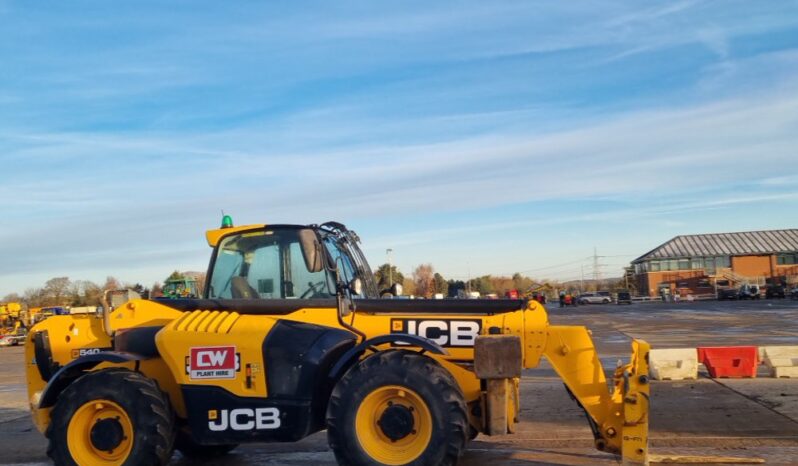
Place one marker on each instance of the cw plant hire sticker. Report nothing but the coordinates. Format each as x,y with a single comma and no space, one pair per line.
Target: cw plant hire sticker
213,362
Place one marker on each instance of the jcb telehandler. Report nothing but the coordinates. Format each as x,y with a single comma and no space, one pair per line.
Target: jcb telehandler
291,338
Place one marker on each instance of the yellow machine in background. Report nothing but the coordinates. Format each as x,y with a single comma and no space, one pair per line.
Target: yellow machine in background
10,314
291,338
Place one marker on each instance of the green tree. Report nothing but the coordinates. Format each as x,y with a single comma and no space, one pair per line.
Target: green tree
441,285
386,275
482,284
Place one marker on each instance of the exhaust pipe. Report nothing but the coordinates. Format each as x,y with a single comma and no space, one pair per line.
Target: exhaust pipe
107,314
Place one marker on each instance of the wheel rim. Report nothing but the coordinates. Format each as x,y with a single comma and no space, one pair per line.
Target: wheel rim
382,428
100,433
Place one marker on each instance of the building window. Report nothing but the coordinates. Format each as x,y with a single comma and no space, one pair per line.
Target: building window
787,259
684,264
704,283
683,284
654,266
723,261
709,265
697,263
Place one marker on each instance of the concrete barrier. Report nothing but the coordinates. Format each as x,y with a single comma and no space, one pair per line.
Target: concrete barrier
781,360
673,364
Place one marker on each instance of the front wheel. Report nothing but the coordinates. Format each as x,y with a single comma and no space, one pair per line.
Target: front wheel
111,417
397,408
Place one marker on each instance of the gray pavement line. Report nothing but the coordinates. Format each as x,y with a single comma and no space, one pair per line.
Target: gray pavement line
14,419
753,399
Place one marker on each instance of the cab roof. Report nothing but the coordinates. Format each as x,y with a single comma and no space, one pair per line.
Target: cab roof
213,236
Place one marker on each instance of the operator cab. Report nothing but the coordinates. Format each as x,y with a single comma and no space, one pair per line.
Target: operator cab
285,262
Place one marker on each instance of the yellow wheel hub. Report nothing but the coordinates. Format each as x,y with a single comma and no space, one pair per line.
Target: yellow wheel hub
394,425
100,433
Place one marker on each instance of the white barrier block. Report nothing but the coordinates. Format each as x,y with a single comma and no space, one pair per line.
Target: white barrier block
673,364
781,360
784,371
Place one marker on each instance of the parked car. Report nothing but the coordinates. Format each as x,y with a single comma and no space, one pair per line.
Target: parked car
794,293
775,291
749,292
595,298
13,339
624,297
727,293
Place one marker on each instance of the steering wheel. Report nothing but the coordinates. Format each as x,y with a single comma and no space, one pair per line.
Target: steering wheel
311,291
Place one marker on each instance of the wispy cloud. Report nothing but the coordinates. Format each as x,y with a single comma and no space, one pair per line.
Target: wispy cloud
125,131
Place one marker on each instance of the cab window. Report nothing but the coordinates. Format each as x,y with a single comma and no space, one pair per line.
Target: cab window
265,265
341,260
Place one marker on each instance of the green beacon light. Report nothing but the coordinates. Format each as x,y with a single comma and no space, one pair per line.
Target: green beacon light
227,221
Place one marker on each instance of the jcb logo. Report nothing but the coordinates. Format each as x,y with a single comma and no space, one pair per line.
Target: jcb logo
243,419
450,333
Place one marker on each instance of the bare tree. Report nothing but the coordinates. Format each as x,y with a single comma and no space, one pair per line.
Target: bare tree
156,290
424,279
56,291
111,283
408,286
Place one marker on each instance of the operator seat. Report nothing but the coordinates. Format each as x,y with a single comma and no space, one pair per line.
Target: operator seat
241,289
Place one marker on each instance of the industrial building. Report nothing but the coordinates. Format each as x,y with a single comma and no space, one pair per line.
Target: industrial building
699,264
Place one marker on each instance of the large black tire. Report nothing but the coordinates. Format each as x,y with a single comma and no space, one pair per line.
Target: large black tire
145,405
196,452
421,375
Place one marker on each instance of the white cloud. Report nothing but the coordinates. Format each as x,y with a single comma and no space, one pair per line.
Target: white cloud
112,217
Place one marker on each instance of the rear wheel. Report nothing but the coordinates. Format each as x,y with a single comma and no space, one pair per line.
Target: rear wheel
111,417
397,408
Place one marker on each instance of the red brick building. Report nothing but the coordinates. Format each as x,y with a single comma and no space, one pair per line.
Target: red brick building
698,264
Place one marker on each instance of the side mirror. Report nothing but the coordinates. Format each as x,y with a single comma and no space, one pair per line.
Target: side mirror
356,286
311,250
392,292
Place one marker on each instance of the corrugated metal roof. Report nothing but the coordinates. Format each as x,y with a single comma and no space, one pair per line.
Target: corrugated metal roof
726,244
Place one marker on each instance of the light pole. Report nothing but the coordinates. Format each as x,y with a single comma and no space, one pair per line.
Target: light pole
389,253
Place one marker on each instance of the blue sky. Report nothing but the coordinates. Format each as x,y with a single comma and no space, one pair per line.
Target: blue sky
483,137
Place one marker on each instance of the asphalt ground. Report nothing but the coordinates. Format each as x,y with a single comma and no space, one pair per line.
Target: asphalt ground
753,418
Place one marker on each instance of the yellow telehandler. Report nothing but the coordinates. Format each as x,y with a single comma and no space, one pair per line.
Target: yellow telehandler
290,338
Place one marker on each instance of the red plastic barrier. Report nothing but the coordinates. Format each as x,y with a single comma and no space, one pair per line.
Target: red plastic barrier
729,361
